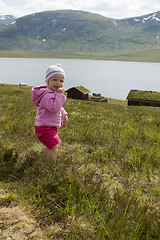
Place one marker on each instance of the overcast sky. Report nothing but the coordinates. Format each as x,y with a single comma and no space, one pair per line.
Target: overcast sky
109,8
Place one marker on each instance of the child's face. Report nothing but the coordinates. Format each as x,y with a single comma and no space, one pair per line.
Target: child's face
55,82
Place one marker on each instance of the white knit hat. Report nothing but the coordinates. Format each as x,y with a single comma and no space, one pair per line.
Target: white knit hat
54,70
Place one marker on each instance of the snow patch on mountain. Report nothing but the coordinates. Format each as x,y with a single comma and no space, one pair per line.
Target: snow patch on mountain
152,17
145,19
13,22
7,19
137,20
2,18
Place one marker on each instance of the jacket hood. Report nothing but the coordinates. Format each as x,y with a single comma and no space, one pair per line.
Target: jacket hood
38,93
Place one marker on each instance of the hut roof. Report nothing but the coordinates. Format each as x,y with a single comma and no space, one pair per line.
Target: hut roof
81,89
144,95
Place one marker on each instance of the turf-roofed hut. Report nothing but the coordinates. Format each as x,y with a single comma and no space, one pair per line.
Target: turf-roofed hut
80,92
143,98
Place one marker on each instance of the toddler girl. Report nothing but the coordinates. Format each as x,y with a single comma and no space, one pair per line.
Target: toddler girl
50,115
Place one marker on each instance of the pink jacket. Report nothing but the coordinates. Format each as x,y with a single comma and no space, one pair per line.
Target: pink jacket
50,112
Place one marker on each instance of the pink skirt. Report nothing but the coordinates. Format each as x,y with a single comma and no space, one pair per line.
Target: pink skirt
48,136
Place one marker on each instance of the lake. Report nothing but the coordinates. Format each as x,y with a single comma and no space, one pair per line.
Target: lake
112,79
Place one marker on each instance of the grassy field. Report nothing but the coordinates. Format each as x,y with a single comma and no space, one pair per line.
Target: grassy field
105,182
151,55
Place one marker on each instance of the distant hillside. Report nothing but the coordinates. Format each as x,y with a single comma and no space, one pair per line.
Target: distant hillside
142,32
78,32
6,20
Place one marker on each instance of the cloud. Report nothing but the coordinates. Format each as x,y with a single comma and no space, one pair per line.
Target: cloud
3,8
108,8
124,8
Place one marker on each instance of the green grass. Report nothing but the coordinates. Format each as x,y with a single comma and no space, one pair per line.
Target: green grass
148,55
144,95
83,89
105,181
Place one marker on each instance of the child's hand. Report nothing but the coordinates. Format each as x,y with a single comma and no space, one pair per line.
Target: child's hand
60,90
65,117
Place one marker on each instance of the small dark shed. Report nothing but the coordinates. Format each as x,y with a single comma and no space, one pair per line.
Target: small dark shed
143,98
22,84
80,92
96,94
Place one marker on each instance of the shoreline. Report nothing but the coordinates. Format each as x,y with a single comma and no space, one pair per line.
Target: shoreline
130,57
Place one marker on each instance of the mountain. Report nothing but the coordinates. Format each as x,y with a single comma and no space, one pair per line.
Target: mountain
69,31
143,31
6,20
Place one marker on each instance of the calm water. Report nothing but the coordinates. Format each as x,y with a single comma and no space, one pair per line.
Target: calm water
111,78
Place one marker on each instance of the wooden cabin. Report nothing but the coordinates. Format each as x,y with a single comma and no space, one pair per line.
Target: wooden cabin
143,98
80,92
